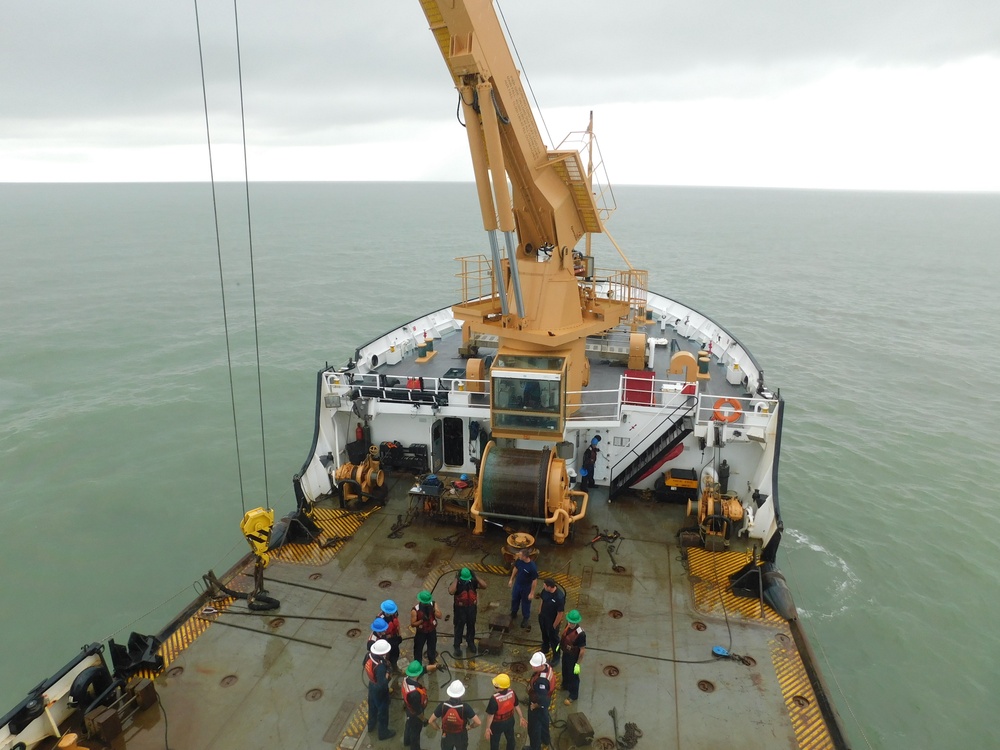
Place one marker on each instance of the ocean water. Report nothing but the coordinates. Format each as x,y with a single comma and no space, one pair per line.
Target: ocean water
874,313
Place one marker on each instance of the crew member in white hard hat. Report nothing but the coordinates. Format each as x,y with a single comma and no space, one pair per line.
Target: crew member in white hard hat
457,718
500,713
377,675
539,697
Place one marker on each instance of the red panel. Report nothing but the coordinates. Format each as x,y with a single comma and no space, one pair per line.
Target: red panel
639,387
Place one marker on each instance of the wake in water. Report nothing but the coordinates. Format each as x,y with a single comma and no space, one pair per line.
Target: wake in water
843,586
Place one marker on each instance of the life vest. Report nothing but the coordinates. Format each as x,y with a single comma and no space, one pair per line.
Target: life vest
408,688
590,456
465,593
371,665
535,685
393,622
568,640
505,705
453,719
426,622
375,637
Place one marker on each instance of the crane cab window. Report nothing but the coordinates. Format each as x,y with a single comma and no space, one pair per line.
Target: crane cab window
527,401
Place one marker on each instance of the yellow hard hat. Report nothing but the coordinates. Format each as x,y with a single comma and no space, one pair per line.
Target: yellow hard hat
501,681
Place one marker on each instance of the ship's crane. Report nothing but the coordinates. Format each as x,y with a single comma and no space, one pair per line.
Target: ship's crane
542,298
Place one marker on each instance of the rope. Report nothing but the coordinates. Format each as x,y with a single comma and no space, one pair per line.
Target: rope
218,250
253,285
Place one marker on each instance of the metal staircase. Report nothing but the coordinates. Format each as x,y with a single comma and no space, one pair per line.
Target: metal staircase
653,453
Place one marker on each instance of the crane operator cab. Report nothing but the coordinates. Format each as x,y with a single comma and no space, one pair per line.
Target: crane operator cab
527,395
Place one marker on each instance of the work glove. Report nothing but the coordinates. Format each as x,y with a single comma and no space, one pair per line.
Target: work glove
576,669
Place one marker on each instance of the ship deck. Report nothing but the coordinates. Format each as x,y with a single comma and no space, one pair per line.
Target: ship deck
292,678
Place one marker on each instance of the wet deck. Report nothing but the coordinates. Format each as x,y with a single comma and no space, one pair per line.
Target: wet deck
292,678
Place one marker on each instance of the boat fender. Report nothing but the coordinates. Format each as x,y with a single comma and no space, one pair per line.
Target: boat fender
90,687
720,652
776,592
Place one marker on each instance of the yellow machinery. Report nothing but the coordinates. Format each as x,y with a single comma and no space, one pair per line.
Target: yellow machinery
527,485
364,479
717,515
256,527
537,295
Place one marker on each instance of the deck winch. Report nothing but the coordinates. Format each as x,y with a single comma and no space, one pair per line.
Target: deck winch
362,479
717,514
527,485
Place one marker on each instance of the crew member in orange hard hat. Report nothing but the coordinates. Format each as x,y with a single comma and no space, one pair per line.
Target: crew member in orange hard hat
500,713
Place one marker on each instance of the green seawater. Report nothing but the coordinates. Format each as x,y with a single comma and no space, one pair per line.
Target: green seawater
876,315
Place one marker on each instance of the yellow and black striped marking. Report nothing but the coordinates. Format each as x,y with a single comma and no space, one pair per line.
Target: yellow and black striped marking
811,731
710,573
334,523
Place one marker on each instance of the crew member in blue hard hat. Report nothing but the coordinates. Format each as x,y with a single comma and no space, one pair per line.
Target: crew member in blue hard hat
589,462
424,619
389,613
573,645
464,589
377,676
414,701
379,628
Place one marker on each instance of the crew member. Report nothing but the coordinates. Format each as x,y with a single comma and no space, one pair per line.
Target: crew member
523,579
573,644
457,718
423,619
550,614
389,613
589,462
377,675
464,589
539,697
414,701
379,626
500,713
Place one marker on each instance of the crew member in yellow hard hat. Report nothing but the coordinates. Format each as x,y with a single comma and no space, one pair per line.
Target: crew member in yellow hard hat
573,645
500,713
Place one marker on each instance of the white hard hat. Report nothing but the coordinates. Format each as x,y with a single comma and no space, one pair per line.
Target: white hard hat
456,689
380,647
537,659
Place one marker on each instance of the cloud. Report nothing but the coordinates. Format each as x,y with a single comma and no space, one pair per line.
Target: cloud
114,74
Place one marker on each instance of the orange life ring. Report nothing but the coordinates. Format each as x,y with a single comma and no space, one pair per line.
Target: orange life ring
732,416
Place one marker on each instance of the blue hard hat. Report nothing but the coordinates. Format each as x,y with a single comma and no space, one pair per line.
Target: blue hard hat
464,477
379,625
583,472
389,607
595,440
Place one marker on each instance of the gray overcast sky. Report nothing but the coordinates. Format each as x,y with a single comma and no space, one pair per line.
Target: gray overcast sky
888,94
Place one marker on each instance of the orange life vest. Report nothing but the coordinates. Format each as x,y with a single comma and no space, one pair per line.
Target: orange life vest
568,640
453,719
426,622
546,675
408,688
505,705
371,664
465,593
